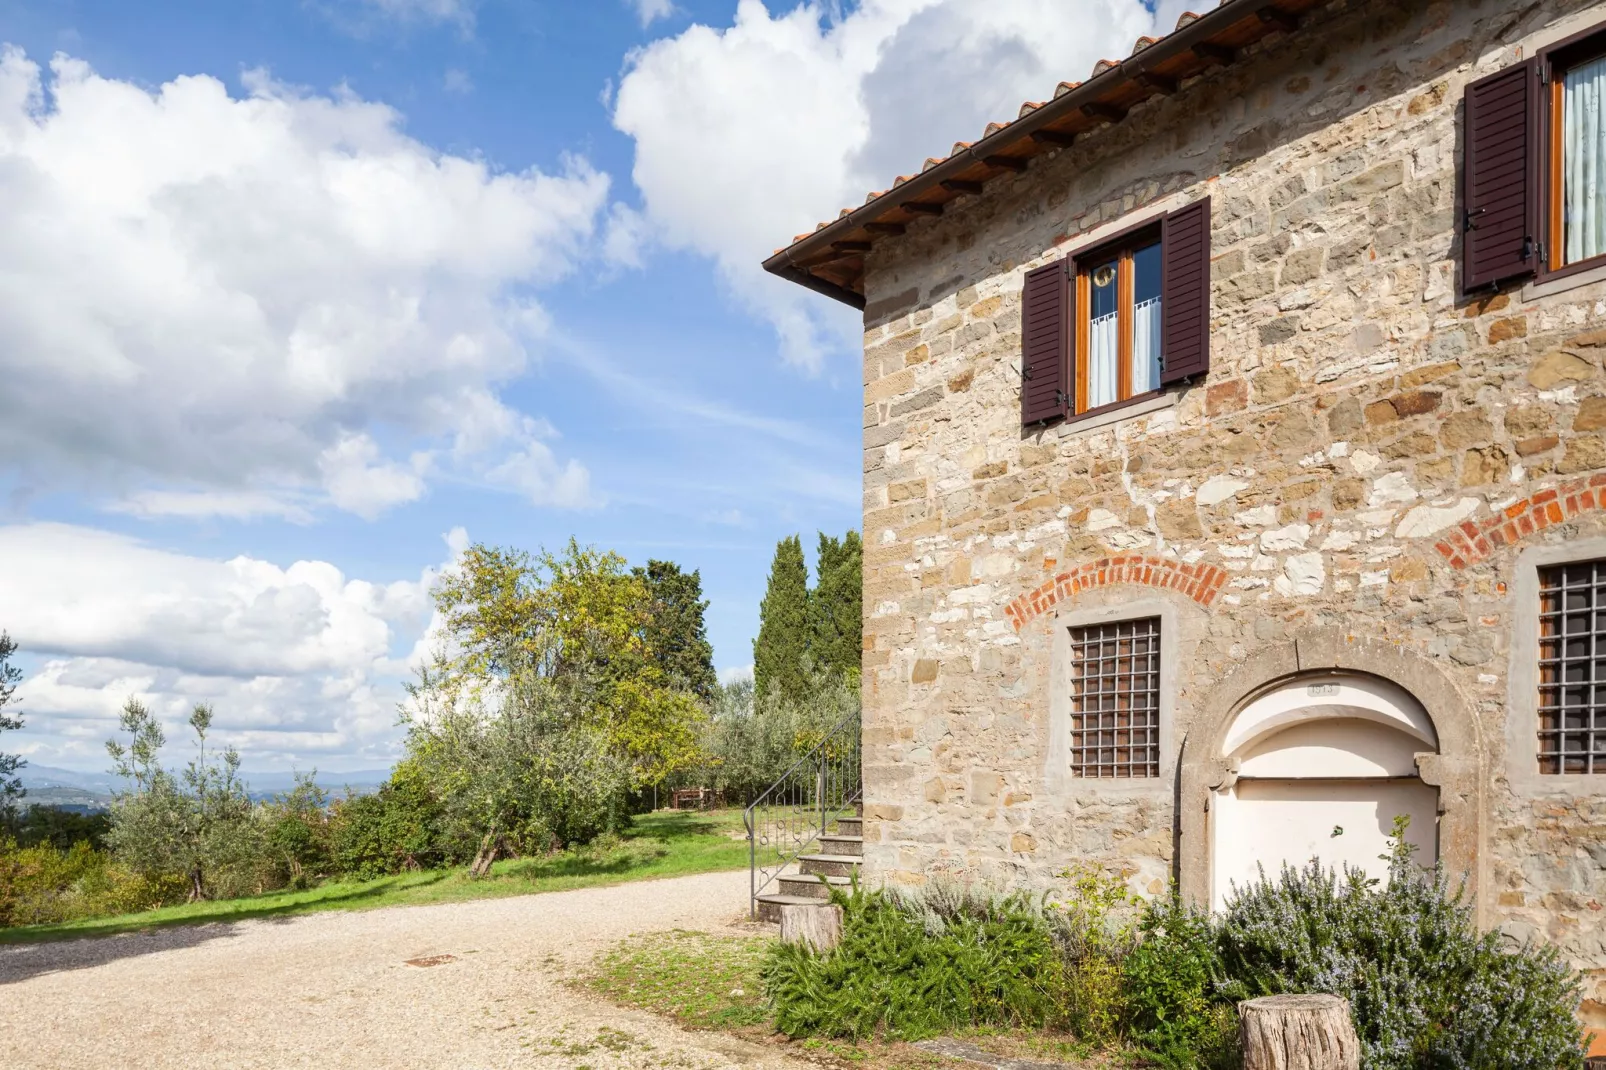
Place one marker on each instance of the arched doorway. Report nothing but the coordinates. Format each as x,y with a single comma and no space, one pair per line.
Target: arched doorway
1457,768
1320,766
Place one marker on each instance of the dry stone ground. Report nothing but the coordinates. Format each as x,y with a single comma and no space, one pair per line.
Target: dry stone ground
337,990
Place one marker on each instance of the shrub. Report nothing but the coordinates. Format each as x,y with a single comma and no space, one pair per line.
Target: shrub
390,831
911,967
43,884
298,836
1171,983
1425,987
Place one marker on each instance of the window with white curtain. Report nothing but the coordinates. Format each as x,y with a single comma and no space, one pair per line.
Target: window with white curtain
1583,160
1118,350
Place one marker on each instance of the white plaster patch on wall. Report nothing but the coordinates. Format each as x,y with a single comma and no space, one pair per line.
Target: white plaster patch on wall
1425,520
1393,487
1375,579
1339,540
1262,516
1303,574
949,616
1292,537
994,566
980,592
1129,540
1364,463
1218,489
885,609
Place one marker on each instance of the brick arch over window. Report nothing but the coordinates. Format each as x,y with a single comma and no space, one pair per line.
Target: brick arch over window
1472,541
1202,583
1459,770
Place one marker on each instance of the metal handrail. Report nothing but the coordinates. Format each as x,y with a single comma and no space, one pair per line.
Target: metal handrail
799,807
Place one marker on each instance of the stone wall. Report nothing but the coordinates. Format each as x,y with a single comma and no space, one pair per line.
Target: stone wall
1370,453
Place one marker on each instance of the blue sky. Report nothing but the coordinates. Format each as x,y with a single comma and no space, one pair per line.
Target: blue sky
347,282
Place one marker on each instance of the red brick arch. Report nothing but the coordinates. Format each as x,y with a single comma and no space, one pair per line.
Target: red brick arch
1472,541
1199,582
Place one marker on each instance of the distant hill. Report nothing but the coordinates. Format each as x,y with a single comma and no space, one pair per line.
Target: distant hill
48,785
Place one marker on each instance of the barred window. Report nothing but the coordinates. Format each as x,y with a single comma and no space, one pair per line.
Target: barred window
1572,668
1115,699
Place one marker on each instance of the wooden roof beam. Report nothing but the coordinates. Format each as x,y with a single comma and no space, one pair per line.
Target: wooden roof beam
1272,15
1098,109
1058,138
884,228
922,208
1158,82
960,185
1222,54
1007,163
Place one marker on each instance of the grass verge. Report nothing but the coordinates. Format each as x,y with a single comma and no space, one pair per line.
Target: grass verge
709,981
663,844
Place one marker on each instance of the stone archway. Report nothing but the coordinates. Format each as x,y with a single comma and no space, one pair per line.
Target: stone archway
1320,765
1212,755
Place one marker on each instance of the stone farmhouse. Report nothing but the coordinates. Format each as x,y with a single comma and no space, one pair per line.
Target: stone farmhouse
1235,464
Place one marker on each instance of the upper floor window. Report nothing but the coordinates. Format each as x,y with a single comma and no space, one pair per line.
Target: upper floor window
1572,668
1577,136
1118,325
1534,180
1117,321
1115,699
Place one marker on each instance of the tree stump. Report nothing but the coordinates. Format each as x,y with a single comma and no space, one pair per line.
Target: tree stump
820,927
1309,1032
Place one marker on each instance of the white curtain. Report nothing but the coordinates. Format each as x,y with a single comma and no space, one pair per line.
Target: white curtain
1146,346
1103,383
1585,152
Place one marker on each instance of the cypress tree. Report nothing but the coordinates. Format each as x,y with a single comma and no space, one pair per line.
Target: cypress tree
676,632
836,618
783,625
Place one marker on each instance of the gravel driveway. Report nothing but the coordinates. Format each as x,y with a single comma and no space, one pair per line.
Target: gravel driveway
335,989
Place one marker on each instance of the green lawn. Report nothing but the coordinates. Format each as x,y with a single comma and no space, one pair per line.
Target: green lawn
664,844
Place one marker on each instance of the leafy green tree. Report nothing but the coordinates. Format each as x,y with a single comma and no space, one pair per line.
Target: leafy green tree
298,837
392,830
836,616
783,626
548,704
10,783
200,824
676,633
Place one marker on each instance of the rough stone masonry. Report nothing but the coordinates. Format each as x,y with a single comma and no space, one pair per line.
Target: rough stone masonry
1370,455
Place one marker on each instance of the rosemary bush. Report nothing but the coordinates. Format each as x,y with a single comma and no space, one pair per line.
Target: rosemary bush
916,966
1426,989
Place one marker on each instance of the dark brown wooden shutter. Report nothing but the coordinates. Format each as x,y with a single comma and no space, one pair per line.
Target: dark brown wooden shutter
1185,293
1500,182
1045,331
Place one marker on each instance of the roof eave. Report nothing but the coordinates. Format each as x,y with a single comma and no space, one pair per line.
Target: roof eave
784,262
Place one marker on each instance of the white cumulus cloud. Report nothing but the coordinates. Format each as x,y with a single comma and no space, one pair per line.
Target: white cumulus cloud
301,661
748,134
228,301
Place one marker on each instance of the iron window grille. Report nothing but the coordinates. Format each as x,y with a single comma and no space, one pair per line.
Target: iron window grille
1572,668
1115,699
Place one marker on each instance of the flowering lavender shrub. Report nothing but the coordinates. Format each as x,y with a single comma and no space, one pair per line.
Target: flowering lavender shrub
1426,989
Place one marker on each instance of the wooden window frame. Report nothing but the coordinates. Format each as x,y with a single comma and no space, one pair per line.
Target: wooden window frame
1554,59
1120,245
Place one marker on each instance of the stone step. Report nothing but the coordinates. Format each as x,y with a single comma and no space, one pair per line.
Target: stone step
837,844
812,885
849,826
770,904
830,865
